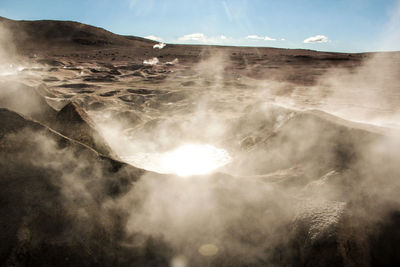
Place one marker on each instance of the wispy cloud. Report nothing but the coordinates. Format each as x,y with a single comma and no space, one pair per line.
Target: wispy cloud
264,38
202,38
316,39
227,10
154,38
198,37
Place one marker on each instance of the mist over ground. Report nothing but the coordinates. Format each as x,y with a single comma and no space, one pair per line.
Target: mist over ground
305,144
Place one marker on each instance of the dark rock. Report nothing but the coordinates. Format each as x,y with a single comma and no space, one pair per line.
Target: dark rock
51,79
144,91
50,62
106,78
110,93
75,123
77,85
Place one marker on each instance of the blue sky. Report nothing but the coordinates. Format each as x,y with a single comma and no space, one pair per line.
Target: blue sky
330,25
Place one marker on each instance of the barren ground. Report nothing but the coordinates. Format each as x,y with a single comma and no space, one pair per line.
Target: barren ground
313,139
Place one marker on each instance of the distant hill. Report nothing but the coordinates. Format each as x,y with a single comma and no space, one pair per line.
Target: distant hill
45,32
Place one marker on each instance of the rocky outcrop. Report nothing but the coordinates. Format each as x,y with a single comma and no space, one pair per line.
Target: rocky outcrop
71,121
75,123
53,196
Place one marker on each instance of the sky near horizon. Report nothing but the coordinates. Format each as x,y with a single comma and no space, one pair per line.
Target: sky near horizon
328,25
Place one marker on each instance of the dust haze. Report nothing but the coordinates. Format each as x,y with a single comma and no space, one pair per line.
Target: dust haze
312,137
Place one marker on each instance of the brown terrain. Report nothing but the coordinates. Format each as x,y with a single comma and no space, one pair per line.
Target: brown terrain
84,113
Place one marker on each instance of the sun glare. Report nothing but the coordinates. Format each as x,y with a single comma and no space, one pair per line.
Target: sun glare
186,160
194,159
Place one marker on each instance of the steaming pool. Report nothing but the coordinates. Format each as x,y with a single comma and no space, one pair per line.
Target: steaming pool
185,160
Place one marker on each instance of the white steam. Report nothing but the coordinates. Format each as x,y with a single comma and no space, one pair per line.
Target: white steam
151,62
159,46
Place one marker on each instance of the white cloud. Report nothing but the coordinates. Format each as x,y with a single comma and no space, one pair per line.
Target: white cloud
199,37
316,39
283,39
154,38
256,37
202,38
266,38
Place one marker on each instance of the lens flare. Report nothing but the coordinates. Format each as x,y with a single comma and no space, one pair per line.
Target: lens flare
208,250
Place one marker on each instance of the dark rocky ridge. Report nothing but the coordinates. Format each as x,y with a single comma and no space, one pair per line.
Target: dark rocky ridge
39,221
60,33
71,120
